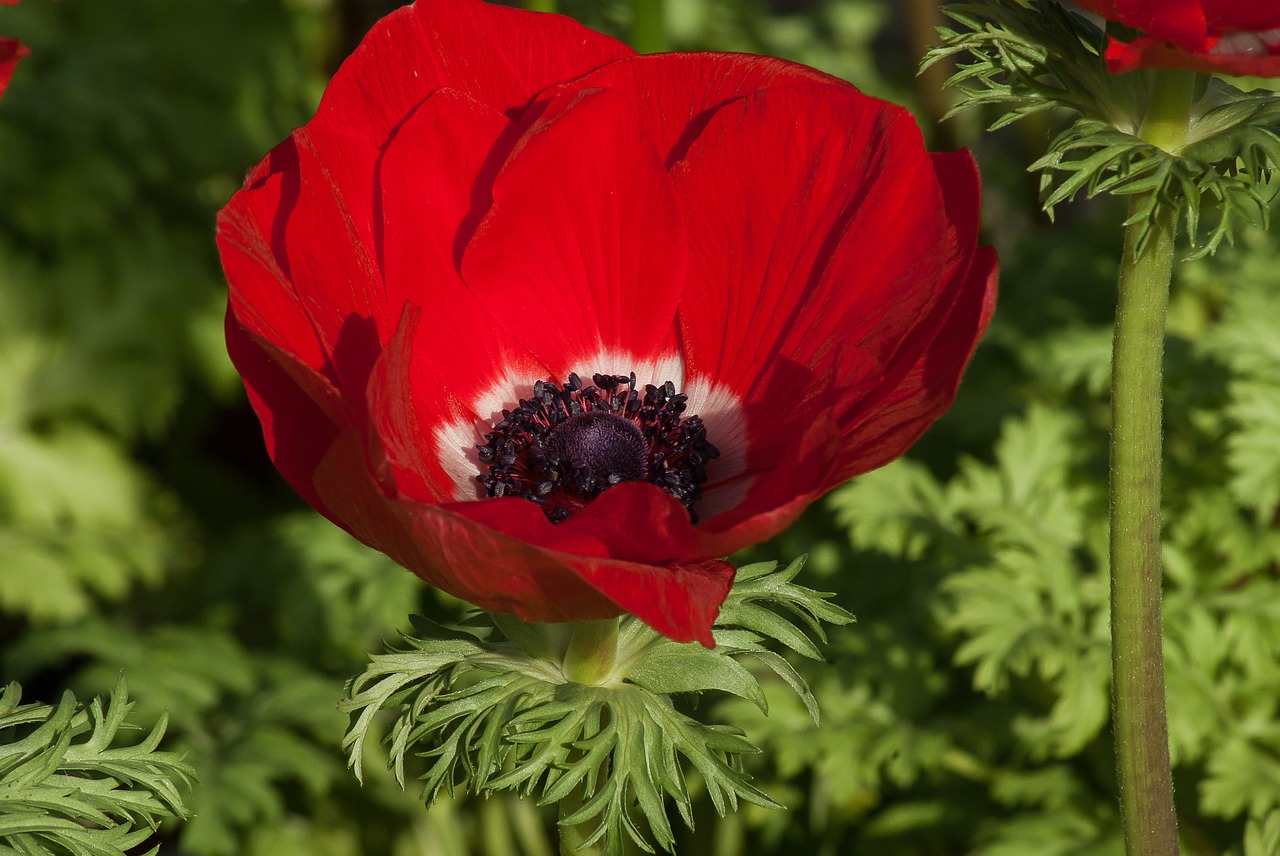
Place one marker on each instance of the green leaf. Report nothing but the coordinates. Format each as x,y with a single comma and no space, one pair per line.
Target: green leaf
490,713
670,667
1024,60
65,787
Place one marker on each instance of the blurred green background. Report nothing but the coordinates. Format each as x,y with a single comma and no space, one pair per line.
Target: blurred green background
142,527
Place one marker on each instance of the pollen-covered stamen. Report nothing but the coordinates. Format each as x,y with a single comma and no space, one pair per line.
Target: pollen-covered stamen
567,444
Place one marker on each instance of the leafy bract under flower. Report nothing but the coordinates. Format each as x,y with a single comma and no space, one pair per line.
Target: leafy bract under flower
1227,36
489,198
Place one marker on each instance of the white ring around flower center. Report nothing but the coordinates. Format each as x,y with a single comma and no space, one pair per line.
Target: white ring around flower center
720,409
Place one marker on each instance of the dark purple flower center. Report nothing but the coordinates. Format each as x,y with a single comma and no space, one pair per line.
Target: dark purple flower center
569,443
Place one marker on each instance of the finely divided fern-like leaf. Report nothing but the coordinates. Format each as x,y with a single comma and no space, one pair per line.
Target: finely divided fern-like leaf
66,788
489,709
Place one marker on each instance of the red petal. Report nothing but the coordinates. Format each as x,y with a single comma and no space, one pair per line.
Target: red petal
1181,21
1241,15
898,419
404,463
328,238
251,243
434,181
582,251
829,454
434,174
817,247
769,200
299,409
667,536
777,497
676,94
295,246
955,175
504,574
922,382
1153,53
497,55
680,602
11,50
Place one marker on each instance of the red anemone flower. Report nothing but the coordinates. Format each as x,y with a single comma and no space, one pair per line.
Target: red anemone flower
556,326
11,50
1226,36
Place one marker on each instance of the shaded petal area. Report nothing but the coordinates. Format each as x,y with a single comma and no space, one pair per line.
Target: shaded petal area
1180,21
885,432
497,572
11,50
1148,52
816,248
302,272
301,412
1210,36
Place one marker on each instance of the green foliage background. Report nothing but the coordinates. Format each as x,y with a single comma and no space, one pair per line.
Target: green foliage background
143,529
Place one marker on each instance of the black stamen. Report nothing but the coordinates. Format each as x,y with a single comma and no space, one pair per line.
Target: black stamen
565,445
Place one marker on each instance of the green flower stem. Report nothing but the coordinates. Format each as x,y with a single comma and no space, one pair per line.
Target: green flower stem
648,26
591,659
1169,115
572,837
540,5
1138,698
593,652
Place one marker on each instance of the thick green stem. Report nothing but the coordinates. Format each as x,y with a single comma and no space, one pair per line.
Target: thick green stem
593,652
540,5
1137,659
591,658
648,26
1138,697
1167,117
572,837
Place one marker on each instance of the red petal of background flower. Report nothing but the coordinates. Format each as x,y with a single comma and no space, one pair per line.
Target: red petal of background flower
1181,34
11,50
1241,15
1154,53
582,250
504,574
1179,21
